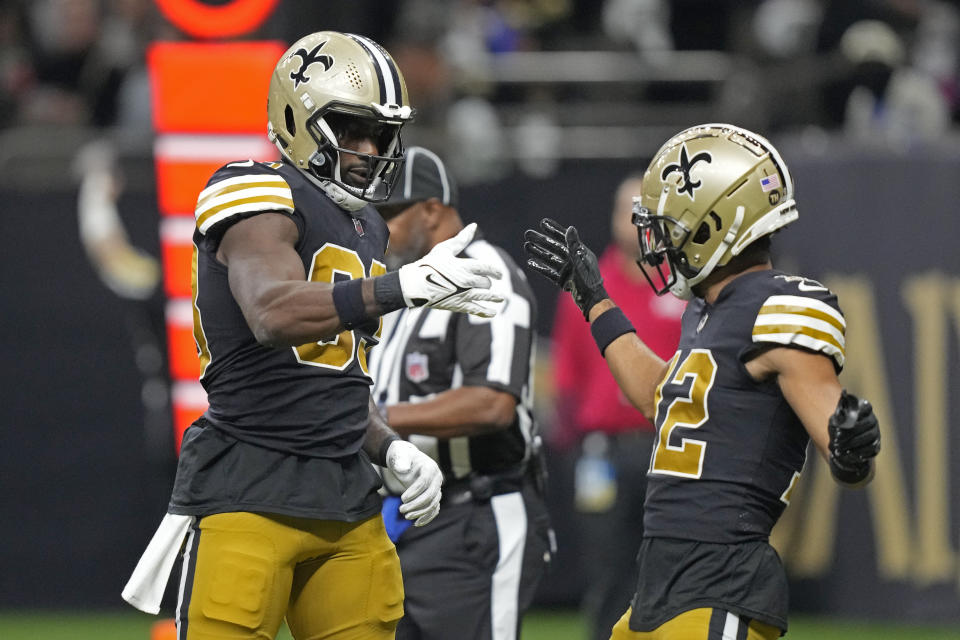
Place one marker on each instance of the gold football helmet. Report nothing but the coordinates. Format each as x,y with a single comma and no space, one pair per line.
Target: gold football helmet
708,193
332,85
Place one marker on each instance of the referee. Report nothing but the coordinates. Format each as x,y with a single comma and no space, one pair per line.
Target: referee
459,387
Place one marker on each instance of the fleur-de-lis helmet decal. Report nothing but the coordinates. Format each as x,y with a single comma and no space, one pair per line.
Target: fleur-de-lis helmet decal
308,58
685,165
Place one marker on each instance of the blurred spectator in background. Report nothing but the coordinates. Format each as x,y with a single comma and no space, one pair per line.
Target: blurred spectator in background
15,68
76,82
615,439
644,24
134,276
936,49
66,61
774,64
891,101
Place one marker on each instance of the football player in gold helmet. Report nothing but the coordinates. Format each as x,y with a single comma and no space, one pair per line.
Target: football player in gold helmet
362,94
754,379
275,495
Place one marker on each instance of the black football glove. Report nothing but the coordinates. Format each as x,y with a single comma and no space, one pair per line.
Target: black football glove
854,439
548,251
558,255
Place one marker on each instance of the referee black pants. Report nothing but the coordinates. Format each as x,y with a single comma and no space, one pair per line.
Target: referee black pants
472,573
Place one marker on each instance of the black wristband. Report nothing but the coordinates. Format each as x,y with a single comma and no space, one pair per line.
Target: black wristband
609,326
382,453
387,292
348,300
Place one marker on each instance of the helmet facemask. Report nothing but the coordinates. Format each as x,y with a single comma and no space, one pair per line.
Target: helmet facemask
660,238
372,178
710,192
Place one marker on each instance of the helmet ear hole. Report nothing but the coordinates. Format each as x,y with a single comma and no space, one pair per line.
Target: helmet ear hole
702,236
289,121
717,220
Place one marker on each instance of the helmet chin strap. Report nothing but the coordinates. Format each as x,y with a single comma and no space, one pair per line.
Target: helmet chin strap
681,288
340,196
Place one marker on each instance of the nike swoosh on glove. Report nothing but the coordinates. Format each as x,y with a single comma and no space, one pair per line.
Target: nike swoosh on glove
422,478
443,281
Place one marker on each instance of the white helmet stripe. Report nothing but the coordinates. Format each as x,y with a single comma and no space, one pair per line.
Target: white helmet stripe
386,72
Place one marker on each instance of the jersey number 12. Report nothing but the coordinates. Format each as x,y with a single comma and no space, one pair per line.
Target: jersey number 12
690,412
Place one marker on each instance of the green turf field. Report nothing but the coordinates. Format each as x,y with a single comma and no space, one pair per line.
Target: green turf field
539,625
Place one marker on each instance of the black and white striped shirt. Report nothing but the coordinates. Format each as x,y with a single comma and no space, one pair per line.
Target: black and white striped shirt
428,351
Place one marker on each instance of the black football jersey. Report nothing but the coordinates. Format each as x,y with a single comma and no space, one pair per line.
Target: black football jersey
308,400
730,449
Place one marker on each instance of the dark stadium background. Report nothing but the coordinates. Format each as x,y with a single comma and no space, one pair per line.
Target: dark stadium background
85,474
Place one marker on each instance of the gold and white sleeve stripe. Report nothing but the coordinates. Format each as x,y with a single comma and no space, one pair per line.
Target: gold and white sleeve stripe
805,322
242,194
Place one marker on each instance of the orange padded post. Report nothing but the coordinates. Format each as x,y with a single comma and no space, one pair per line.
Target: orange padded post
209,108
205,87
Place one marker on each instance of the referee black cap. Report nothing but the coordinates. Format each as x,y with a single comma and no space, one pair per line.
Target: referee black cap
424,176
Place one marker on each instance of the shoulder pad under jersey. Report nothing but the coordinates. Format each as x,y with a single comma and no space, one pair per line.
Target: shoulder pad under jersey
240,189
802,312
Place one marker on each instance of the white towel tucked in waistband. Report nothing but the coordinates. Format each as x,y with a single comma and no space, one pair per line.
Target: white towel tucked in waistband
145,588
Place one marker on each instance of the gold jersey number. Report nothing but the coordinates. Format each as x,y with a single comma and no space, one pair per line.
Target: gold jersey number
684,412
338,353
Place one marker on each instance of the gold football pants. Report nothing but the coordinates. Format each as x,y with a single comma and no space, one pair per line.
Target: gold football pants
245,572
699,624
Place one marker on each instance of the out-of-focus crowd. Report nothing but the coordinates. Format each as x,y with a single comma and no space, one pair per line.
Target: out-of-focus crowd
876,68
76,62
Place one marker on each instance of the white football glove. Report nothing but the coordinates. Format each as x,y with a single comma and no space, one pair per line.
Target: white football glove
443,281
420,476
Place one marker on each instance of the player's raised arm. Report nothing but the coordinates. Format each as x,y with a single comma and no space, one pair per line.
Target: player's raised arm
557,253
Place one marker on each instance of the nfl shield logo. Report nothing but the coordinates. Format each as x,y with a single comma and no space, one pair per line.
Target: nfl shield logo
416,365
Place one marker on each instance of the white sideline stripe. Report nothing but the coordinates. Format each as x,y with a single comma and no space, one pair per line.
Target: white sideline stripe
180,312
511,517
213,147
189,394
177,229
